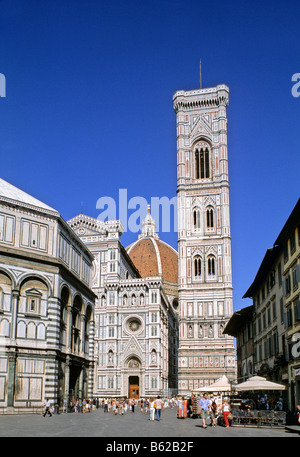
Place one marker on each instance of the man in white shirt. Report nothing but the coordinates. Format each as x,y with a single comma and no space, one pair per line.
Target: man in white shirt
47,408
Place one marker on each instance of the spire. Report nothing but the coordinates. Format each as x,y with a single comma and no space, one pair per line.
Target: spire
148,226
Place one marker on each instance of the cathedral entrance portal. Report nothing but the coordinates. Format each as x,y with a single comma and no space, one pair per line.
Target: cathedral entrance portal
134,387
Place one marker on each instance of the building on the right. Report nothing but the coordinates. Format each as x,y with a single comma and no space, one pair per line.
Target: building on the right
274,322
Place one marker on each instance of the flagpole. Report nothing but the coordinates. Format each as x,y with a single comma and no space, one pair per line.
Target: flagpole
200,76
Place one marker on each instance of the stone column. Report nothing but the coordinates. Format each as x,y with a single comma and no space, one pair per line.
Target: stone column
14,313
12,358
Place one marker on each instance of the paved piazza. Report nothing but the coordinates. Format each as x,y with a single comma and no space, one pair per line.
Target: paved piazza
130,425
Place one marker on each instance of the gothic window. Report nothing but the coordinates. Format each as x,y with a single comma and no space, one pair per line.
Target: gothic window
211,266
210,217
197,267
154,383
153,330
154,297
196,218
202,165
153,317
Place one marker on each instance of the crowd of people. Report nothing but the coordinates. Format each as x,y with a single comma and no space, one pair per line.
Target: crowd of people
80,406
148,405
258,401
204,407
212,409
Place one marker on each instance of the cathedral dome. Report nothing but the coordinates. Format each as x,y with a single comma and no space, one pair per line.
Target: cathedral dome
153,257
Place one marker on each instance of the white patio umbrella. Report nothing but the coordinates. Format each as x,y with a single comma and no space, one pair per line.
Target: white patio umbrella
221,385
258,383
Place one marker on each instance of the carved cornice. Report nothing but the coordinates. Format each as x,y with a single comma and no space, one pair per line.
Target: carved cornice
202,98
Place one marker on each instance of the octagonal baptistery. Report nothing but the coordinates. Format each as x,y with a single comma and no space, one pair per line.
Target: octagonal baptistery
153,257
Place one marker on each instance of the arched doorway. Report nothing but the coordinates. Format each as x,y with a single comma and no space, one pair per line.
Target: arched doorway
134,387
134,370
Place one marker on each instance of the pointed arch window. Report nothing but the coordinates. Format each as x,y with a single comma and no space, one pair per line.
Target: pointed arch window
210,217
202,162
211,266
197,267
196,218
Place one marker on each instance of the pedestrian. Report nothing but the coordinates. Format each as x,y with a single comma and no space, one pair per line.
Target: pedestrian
47,408
105,406
226,411
158,407
121,406
146,405
152,409
204,404
115,407
132,404
142,405
279,405
88,405
182,408
213,413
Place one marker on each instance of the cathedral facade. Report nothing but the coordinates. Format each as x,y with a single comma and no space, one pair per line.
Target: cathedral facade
135,313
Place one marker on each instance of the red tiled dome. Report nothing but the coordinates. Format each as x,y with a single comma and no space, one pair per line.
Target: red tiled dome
153,257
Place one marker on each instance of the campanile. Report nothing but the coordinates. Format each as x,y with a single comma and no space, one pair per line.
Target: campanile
204,241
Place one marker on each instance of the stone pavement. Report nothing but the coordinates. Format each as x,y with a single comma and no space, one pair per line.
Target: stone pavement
130,425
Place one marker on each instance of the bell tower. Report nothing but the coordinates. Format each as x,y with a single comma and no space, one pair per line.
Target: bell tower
204,242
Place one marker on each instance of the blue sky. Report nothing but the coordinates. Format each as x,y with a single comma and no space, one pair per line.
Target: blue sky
88,107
